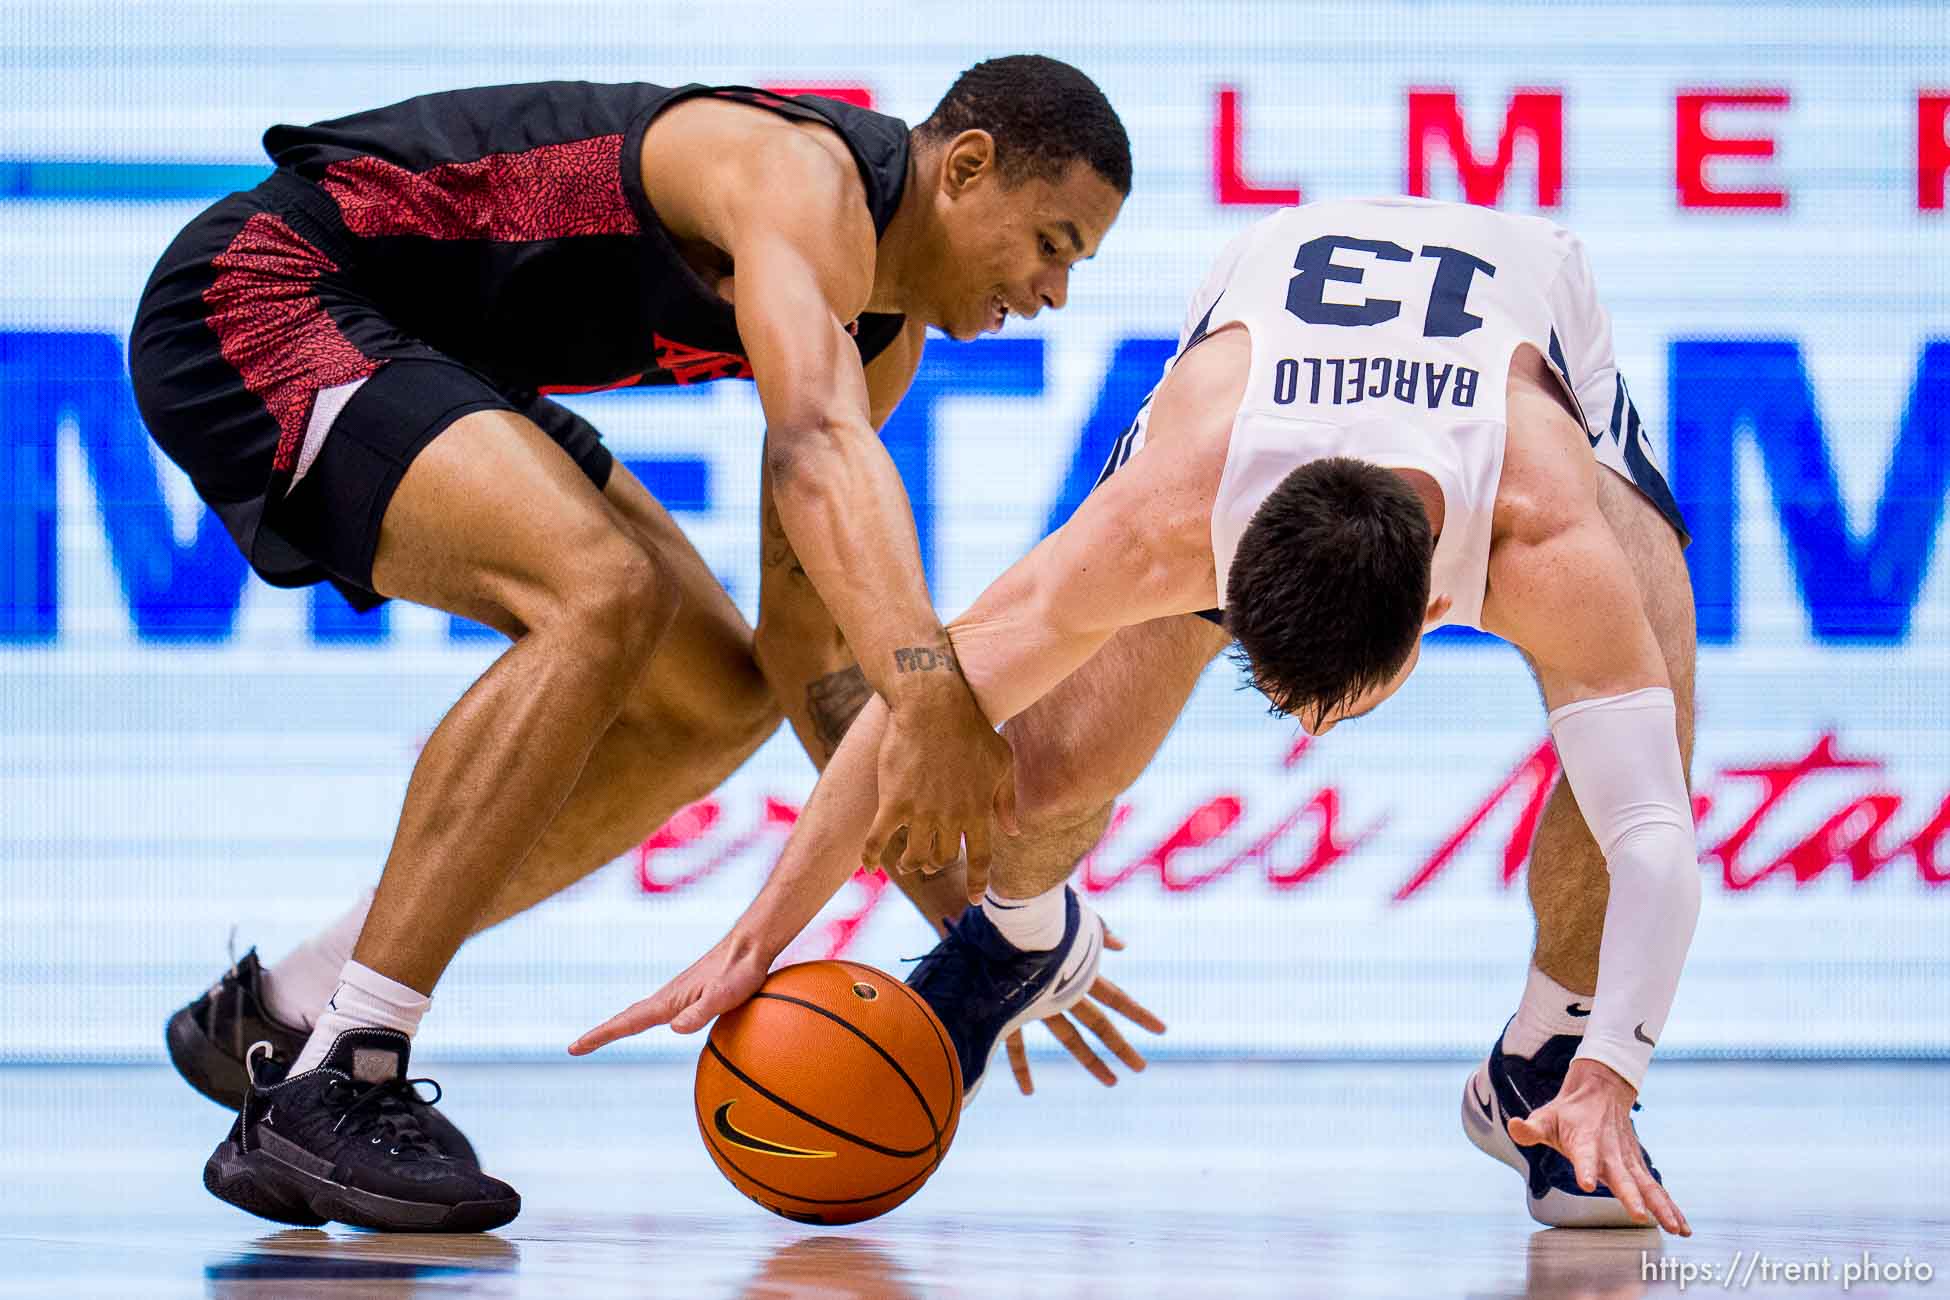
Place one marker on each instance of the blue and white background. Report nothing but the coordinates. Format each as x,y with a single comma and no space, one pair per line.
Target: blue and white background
184,750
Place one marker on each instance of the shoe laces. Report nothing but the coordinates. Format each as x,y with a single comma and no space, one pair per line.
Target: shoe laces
971,959
387,1113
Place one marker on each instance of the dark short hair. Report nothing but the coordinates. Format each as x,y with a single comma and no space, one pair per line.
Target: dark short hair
1330,585
1043,114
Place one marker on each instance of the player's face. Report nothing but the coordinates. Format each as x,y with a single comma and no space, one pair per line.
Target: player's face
1373,698
1010,248
1365,703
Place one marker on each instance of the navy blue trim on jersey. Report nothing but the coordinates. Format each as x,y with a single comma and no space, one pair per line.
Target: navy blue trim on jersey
1629,434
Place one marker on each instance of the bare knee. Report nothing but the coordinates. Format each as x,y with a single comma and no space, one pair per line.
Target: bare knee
728,709
615,601
1056,786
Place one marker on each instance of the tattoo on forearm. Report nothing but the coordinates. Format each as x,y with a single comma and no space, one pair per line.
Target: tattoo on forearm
925,659
834,701
778,552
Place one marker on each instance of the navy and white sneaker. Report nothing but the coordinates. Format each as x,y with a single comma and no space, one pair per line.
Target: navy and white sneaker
1506,1087
984,987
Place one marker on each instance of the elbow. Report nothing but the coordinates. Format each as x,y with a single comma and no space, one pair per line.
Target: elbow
1051,606
804,455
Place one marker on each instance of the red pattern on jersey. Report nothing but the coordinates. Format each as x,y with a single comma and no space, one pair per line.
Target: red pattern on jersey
553,191
689,365
272,329
549,390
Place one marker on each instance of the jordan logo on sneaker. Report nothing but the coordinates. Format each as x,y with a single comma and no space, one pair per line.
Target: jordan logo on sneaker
1578,1011
1639,1033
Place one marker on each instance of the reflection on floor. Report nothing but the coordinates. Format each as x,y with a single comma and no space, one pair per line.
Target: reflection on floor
1197,1179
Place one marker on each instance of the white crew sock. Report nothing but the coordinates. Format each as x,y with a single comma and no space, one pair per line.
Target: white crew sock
364,999
296,988
1544,1013
1031,924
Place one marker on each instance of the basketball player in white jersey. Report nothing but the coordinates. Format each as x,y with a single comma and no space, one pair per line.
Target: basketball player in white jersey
1383,416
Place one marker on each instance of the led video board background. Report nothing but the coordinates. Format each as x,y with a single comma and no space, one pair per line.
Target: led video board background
1761,189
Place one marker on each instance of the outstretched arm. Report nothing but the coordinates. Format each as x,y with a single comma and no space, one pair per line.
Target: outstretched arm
1138,548
1612,717
1568,596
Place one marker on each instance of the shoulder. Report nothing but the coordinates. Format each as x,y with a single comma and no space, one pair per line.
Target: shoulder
1549,543
1549,481
794,191
807,161
731,163
1201,391
1187,431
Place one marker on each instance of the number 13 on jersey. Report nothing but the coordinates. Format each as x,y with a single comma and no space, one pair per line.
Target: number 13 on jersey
1447,315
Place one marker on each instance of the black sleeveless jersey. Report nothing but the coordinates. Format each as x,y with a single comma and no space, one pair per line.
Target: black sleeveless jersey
507,227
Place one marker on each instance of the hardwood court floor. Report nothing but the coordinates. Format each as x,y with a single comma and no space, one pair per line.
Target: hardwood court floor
1194,1180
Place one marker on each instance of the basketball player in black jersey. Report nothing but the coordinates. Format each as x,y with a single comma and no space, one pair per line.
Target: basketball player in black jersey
353,363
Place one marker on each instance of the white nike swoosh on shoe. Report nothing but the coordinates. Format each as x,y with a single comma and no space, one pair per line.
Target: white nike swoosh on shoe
1089,947
1064,985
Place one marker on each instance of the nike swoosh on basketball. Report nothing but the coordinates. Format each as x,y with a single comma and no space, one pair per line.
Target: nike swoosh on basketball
1576,1010
721,1121
1639,1033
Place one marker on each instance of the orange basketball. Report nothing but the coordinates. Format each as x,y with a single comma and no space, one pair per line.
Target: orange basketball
831,1096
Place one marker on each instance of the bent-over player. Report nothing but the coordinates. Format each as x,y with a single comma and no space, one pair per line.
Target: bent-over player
352,362
1383,416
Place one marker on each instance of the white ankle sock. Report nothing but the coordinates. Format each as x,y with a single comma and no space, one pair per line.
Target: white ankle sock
296,988
1545,1012
1031,924
364,999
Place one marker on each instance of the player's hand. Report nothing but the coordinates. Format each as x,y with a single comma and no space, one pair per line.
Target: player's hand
1099,1024
721,979
944,772
1589,1122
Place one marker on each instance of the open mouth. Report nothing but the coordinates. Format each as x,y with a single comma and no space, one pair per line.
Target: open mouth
998,314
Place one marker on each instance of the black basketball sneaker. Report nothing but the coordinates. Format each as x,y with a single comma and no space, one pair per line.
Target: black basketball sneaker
984,987
209,1038
1507,1086
345,1142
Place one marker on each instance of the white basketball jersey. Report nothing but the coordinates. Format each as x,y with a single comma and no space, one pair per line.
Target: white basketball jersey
1383,329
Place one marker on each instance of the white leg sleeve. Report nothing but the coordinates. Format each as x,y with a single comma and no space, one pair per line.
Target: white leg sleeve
1621,756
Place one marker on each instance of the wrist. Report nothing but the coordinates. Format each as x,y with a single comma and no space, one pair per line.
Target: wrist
921,672
748,943
1588,1074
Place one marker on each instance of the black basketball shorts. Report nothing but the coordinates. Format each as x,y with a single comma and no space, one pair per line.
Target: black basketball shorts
265,371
